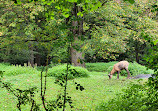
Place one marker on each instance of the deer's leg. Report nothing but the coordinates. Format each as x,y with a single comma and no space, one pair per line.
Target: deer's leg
128,73
118,72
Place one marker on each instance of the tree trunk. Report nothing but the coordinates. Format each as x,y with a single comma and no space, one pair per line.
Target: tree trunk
37,56
137,57
38,59
137,52
31,55
77,58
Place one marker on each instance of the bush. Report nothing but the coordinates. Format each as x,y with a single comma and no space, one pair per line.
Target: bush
132,99
152,100
99,67
16,70
74,72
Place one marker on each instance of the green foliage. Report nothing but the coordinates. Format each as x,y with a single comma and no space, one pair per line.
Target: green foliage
152,59
108,34
59,55
132,99
16,70
62,98
59,72
25,32
99,67
153,92
42,25
131,1
120,29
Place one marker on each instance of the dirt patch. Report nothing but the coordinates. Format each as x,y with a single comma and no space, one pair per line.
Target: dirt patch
142,76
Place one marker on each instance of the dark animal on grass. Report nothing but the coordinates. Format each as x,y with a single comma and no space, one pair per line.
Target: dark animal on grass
118,67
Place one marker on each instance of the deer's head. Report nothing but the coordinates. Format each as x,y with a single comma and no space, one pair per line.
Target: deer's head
110,76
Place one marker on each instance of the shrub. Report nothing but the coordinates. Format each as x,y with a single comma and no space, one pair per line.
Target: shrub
74,72
132,99
152,100
16,70
99,67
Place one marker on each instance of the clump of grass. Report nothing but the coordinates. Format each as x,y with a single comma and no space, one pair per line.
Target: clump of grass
3,66
16,70
74,72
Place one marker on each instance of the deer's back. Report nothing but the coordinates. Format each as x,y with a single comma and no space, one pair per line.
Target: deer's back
121,65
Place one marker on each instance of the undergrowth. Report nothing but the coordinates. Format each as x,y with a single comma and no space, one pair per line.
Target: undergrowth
131,99
99,67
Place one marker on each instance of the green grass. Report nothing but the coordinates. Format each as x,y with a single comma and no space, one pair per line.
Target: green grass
11,70
3,66
98,88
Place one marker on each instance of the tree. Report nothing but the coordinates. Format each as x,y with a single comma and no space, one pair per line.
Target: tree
73,13
119,30
140,24
25,33
17,28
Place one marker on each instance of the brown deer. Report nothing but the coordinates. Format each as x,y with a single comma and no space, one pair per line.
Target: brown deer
118,67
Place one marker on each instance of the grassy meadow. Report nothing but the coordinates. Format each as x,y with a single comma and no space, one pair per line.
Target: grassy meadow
98,88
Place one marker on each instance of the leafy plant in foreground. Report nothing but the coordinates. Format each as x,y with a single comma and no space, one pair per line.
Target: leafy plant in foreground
152,100
132,99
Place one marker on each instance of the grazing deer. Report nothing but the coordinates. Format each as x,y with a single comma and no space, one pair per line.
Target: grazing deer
118,67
